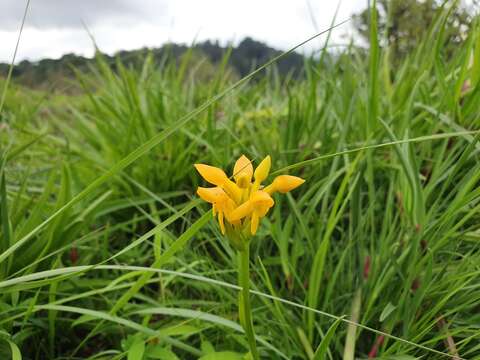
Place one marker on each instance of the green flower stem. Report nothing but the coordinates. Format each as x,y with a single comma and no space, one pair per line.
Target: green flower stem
245,311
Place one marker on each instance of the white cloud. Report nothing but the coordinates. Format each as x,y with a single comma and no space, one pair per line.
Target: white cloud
69,14
128,24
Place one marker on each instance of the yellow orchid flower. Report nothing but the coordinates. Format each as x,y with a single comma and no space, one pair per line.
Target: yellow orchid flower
243,202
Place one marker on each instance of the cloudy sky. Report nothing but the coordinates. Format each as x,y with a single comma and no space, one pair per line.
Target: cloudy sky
56,27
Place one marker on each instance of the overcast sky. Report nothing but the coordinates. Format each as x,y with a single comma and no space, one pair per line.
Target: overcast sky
55,27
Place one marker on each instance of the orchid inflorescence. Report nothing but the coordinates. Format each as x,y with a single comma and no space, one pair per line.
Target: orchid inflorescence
243,202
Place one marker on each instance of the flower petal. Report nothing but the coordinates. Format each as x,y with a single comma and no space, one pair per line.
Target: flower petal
262,170
243,171
240,212
220,221
254,223
259,202
212,195
261,198
284,184
211,174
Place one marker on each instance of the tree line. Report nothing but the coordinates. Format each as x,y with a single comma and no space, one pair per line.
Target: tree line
242,59
402,24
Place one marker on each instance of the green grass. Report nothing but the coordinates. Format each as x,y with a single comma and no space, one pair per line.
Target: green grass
106,254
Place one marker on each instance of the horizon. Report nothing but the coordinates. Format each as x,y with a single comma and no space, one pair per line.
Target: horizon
53,30
161,46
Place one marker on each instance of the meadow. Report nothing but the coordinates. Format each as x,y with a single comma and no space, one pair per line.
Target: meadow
106,251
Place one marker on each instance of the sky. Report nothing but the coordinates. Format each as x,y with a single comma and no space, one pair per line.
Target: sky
56,27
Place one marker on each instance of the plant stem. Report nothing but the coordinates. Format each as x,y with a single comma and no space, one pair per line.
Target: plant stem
349,351
244,308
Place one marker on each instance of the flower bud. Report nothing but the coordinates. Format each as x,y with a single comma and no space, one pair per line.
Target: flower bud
284,184
243,171
262,170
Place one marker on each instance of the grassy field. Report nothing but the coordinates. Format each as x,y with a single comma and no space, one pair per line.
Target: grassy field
106,252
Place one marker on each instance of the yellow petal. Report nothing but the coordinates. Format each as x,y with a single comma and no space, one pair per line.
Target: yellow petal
284,184
259,202
261,198
220,221
228,208
212,195
263,210
243,171
211,174
254,223
232,190
243,210
262,170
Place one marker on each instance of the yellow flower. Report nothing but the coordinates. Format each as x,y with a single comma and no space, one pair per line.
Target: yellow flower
243,202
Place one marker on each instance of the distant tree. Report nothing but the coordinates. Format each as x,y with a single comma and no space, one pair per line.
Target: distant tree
54,73
403,23
251,53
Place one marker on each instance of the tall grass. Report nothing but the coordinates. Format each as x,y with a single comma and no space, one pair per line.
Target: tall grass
106,254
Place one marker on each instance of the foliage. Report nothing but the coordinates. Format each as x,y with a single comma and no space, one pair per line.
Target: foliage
58,73
403,23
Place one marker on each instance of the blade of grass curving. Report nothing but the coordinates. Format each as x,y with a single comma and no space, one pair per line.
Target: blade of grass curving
163,259
375,146
150,144
448,122
373,71
464,68
320,258
351,338
145,277
322,348
476,56
407,162
204,316
372,106
15,351
79,269
6,233
142,238
18,150
121,321
10,70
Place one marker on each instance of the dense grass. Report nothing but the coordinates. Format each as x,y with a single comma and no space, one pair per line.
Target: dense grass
106,253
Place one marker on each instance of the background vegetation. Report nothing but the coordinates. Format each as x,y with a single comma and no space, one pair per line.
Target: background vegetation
105,252
57,74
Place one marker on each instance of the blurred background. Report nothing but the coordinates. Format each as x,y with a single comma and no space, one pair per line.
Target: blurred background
56,27
58,34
